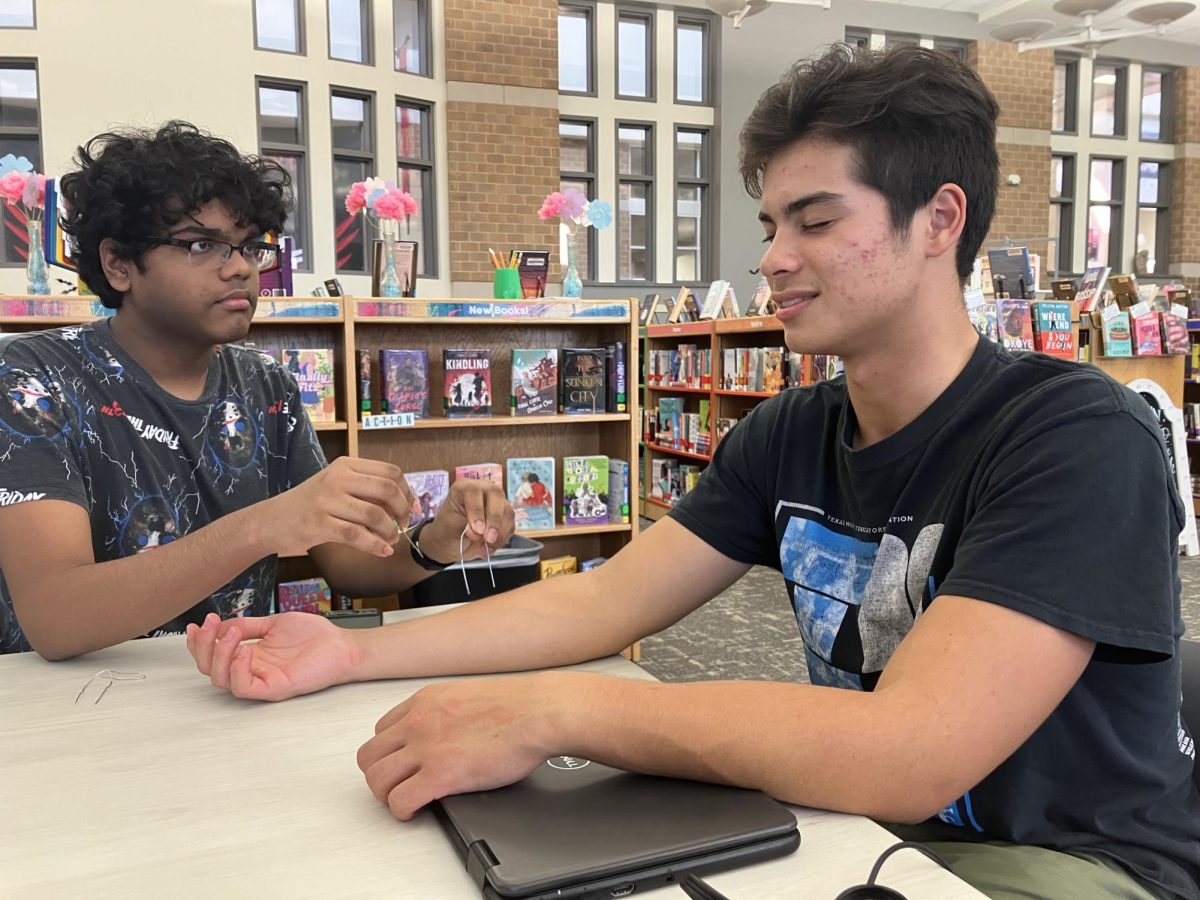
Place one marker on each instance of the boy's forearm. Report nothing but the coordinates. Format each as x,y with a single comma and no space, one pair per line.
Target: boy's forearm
88,607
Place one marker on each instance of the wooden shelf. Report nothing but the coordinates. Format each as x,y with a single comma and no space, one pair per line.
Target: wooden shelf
673,389
456,322
297,320
329,426
651,501
700,456
576,530
653,509
757,394
48,321
747,325
668,331
439,422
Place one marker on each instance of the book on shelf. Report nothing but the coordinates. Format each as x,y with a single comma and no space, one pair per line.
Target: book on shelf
592,563
277,282
1011,273
362,360
1015,321
534,382
1124,290
1053,330
646,308
1178,295
1175,338
313,371
615,374
493,472
467,388
1091,288
531,491
557,565
431,488
716,302
583,380
1147,333
684,308
585,490
1116,332
533,267
983,317
404,382
310,595
1063,290
761,303
618,491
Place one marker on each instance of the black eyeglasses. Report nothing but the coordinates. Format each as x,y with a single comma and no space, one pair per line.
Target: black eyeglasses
211,252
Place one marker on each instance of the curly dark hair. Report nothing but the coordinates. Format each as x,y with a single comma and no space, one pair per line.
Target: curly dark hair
137,183
915,118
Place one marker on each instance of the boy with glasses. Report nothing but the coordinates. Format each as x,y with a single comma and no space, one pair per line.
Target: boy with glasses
154,469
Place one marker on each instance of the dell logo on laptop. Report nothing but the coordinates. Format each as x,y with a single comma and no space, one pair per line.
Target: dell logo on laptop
566,762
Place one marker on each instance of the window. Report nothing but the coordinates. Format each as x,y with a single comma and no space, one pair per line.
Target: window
957,49
860,40
350,30
410,31
20,135
283,137
1106,182
16,14
1153,218
1156,105
1062,210
691,61
277,25
414,174
1064,116
576,39
1108,99
577,169
353,161
692,175
901,40
635,55
635,202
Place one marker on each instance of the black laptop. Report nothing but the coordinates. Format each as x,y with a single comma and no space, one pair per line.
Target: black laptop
576,829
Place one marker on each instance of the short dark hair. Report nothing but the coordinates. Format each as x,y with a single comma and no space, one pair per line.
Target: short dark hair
137,183
915,118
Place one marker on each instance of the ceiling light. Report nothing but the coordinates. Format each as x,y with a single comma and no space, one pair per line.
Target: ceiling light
1154,18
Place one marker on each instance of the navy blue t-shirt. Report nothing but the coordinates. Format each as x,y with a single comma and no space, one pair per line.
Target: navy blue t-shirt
1033,483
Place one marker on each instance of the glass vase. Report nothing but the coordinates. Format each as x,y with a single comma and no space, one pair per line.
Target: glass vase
389,284
572,286
37,277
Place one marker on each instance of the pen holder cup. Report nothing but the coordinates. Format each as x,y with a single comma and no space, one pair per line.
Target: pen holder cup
506,284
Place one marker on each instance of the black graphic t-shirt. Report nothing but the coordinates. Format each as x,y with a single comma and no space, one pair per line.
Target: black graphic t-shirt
1033,483
81,421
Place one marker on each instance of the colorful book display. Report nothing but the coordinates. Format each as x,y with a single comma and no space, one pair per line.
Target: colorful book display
1053,330
467,390
583,380
534,382
311,595
1015,322
585,490
531,491
404,382
313,371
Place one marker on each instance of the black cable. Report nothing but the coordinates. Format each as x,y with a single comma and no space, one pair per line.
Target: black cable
699,889
905,845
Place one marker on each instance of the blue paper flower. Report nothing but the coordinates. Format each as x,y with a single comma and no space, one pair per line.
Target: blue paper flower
599,213
10,163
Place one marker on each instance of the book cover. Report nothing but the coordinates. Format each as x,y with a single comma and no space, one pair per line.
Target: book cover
585,490
646,308
404,382
583,380
1012,274
363,360
618,491
1053,330
1091,288
558,565
684,308
431,489
761,303
311,595
773,369
1125,291
531,491
616,399
313,371
1147,335
592,563
711,308
1118,337
493,472
1063,290
983,317
1016,324
533,266
534,382
467,390
1175,338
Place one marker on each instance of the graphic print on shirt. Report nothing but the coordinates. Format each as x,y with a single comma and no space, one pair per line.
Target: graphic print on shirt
233,442
98,357
36,407
151,522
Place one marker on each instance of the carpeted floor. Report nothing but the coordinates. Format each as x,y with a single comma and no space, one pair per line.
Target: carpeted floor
749,632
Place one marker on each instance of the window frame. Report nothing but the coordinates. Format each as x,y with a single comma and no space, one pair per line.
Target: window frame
427,166
1166,114
304,182
1120,101
649,180
367,156
1071,100
589,177
704,182
32,26
706,59
25,132
1162,209
589,11
1066,214
1116,204
645,15
367,34
301,38
425,40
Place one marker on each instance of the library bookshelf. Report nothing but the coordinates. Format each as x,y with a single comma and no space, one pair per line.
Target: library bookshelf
347,324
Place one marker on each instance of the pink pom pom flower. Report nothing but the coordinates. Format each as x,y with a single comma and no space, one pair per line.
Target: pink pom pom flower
356,200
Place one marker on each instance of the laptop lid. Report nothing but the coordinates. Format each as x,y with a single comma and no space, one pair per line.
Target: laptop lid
577,829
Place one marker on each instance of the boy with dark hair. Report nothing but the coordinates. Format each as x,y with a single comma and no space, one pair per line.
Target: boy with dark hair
158,470
987,593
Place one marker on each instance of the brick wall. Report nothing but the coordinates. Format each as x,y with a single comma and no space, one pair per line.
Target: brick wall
1023,210
1185,173
503,160
1022,82
1187,105
499,42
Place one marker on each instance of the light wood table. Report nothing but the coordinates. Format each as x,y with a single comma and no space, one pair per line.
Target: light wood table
170,788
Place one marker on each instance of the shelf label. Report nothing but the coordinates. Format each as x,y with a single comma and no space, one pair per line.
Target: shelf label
389,420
